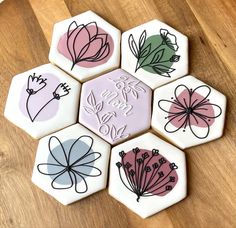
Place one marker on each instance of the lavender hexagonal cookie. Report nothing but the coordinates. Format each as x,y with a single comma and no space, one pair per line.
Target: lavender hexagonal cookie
115,106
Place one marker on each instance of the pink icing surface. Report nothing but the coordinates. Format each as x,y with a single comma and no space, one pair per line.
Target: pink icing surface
114,108
82,38
184,99
159,187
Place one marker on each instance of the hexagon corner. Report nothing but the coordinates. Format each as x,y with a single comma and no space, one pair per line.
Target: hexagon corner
38,100
188,109
85,46
147,174
71,164
155,53
113,104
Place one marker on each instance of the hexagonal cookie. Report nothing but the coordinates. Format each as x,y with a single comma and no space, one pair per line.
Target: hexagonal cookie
71,164
155,53
147,174
188,112
39,100
85,46
115,106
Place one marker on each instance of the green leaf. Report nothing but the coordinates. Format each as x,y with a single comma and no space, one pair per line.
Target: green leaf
157,56
145,51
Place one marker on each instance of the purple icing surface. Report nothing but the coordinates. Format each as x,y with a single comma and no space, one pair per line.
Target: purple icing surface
39,99
86,43
115,106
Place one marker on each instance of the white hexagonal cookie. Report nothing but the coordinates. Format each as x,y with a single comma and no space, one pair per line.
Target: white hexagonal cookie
155,53
85,46
116,106
71,164
39,100
188,112
147,174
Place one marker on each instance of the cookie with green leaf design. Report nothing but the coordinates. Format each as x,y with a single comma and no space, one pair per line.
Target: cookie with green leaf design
155,53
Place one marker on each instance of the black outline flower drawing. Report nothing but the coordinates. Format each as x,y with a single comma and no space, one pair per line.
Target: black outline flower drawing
69,167
36,84
190,111
154,58
145,175
73,39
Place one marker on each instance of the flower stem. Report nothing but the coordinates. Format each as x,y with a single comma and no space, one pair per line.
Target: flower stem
42,109
27,108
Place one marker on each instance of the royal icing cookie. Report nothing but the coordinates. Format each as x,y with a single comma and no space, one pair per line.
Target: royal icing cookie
188,112
147,174
115,106
85,46
71,164
39,100
155,53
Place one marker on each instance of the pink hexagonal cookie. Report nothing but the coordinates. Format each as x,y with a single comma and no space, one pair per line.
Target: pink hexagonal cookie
115,106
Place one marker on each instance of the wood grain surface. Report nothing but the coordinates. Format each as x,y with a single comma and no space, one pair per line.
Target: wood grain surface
25,34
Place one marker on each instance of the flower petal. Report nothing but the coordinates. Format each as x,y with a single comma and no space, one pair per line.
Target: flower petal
199,126
62,181
79,149
176,122
59,154
182,95
200,95
93,49
89,158
49,168
87,170
92,29
80,40
80,183
170,107
104,37
208,110
164,32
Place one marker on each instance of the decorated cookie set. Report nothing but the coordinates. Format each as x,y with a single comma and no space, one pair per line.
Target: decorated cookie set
115,108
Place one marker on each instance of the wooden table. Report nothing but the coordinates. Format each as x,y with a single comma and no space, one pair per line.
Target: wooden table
25,34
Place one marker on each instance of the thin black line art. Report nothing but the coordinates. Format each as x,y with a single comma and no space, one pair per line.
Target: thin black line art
37,83
144,175
154,58
68,167
73,42
190,110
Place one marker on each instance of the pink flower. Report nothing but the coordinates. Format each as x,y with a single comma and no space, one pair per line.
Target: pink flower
85,43
190,108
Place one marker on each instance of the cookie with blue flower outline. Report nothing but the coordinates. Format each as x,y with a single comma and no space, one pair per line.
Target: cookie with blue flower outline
71,164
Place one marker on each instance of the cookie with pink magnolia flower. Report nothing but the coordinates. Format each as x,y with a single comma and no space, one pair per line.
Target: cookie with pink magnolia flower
116,106
147,174
155,53
71,164
85,46
42,100
188,112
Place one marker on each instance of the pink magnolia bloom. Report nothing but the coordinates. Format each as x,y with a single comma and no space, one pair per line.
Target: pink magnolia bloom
86,44
190,108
